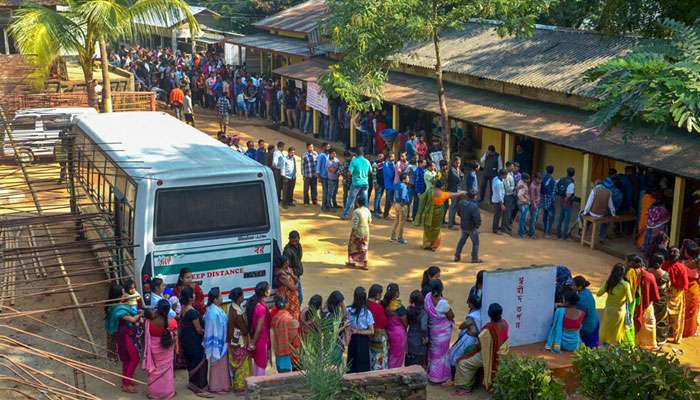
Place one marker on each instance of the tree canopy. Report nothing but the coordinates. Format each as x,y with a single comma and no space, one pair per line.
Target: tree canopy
372,31
658,83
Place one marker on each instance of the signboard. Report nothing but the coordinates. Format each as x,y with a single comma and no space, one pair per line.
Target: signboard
527,297
436,156
315,98
226,267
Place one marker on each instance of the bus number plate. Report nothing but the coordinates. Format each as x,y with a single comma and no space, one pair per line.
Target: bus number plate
254,274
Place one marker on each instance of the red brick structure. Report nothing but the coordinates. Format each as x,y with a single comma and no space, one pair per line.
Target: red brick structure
407,383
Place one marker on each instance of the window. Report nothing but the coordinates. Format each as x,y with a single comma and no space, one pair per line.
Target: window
204,211
24,123
56,122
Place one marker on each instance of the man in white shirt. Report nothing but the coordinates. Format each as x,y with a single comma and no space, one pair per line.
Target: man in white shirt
498,195
277,156
288,169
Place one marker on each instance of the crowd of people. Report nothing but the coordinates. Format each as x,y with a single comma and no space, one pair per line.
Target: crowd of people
649,302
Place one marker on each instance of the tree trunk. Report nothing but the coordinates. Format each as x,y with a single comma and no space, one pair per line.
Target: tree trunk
86,65
106,84
442,100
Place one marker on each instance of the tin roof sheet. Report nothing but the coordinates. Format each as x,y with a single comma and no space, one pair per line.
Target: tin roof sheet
279,44
302,18
671,151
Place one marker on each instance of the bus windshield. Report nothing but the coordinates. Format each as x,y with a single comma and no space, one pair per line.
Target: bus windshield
209,211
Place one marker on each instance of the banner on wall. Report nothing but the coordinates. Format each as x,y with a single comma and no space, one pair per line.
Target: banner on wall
315,98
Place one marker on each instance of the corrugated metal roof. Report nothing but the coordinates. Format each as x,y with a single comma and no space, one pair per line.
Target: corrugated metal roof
302,18
170,20
672,152
553,58
278,44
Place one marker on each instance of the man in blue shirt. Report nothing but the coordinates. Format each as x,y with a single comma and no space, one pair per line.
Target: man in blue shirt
401,200
250,151
411,146
388,175
360,169
261,152
322,174
418,186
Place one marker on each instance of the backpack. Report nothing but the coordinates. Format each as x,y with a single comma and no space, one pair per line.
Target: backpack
563,183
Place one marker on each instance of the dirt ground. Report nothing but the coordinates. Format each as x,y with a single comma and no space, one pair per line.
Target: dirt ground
324,237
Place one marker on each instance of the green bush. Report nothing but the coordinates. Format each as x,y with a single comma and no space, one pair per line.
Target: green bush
626,373
525,378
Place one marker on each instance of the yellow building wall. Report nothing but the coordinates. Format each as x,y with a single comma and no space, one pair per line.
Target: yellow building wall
562,158
490,137
620,166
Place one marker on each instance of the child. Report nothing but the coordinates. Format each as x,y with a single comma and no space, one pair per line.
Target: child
133,297
417,331
169,294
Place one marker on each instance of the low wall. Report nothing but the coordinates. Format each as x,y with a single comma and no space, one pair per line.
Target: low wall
407,383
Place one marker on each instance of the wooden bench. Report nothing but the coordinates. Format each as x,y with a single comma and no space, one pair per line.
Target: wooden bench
595,222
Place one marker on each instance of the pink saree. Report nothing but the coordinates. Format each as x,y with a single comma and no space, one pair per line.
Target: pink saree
397,335
440,328
159,365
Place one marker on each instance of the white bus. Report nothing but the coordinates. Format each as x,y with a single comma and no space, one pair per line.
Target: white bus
174,198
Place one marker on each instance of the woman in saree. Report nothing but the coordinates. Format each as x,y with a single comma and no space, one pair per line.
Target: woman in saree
237,339
678,275
120,324
644,319
468,331
612,323
565,333
287,285
397,323
633,267
440,320
335,313
658,218
215,347
259,328
586,303
191,335
423,200
358,244
378,341
430,273
159,352
184,280
644,204
692,294
310,315
492,344
434,216
661,305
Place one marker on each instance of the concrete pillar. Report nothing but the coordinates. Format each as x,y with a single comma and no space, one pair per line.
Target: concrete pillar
586,178
508,146
283,86
395,123
194,46
262,63
353,130
6,40
173,40
677,210
316,120
240,55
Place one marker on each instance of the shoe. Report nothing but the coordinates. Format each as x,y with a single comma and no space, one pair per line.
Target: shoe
497,232
392,239
456,259
476,261
548,237
402,241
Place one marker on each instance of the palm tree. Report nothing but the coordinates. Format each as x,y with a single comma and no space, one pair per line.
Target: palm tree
46,34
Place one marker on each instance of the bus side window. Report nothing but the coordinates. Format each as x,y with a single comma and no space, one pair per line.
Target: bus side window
24,123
